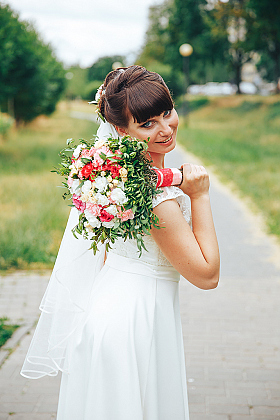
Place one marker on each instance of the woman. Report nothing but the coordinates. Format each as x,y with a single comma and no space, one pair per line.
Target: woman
121,352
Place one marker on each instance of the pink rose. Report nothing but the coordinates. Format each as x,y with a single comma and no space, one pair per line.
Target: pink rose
78,203
105,216
92,151
98,161
127,214
95,209
86,154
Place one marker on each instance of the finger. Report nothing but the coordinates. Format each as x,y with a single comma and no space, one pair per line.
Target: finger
187,168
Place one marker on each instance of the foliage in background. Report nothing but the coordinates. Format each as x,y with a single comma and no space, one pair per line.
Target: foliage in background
6,330
77,80
175,22
91,89
235,26
100,69
31,78
6,123
224,36
84,82
241,139
267,17
33,214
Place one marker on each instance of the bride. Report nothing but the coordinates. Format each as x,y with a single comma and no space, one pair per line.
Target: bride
111,323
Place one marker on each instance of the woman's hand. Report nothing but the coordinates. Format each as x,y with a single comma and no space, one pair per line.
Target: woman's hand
195,180
194,253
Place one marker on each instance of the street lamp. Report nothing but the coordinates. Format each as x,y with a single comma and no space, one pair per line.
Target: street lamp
186,50
116,65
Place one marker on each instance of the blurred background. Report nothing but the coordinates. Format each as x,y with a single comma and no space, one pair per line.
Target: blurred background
220,59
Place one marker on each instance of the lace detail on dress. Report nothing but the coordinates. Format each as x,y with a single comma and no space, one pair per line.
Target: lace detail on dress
169,193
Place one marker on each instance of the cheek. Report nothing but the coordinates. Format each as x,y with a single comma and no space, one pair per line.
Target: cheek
175,121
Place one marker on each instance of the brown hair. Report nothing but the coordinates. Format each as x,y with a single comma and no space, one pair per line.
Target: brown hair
133,91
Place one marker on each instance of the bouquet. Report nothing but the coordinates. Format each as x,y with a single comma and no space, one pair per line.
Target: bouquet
110,184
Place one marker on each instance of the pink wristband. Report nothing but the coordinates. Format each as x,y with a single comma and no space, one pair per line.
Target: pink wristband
168,176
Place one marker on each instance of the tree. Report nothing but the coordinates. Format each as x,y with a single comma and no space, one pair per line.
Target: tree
100,69
31,78
174,23
267,39
233,23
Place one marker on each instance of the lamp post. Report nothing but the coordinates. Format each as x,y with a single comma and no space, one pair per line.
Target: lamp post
186,50
116,65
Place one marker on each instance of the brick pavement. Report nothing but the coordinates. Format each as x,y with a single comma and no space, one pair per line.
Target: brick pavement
231,333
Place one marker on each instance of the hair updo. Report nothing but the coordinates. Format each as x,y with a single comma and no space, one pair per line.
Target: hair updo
133,91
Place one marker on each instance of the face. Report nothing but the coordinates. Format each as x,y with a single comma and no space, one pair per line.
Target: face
161,130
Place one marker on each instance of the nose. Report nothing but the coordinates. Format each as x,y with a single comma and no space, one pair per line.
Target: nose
165,129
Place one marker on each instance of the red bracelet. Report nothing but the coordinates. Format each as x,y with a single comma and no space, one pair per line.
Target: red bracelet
169,176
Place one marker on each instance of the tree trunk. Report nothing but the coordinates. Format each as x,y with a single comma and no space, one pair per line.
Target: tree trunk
276,57
237,70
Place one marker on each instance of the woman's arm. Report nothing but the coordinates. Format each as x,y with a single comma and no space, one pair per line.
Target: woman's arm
194,253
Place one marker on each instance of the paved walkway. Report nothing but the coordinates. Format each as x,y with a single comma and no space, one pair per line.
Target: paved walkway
231,333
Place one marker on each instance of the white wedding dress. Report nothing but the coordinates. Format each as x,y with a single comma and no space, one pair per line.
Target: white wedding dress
126,358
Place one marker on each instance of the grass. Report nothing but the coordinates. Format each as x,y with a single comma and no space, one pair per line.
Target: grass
6,330
33,214
241,138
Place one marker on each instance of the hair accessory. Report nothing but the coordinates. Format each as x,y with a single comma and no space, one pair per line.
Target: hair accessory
100,91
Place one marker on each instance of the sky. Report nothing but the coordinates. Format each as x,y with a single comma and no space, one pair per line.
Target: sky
82,31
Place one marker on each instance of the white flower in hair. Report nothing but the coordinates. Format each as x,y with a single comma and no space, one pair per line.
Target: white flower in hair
99,92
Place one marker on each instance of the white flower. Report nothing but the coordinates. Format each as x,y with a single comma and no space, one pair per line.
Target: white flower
79,164
99,143
118,196
84,198
92,198
112,210
78,149
102,199
86,187
101,183
93,220
115,182
74,171
109,178
75,187
99,91
108,224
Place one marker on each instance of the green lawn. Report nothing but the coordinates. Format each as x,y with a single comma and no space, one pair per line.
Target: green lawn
6,330
33,214
240,136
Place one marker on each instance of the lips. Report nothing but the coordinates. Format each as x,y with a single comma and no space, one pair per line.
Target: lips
167,141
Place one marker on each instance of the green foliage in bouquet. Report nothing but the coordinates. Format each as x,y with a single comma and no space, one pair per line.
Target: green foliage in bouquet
138,185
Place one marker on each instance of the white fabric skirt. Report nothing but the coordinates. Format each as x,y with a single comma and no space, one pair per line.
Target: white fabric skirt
127,357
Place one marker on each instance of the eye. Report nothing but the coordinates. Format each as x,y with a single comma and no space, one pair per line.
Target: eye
167,113
147,124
